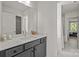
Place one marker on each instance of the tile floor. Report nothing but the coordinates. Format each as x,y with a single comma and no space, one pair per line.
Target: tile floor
71,48
72,43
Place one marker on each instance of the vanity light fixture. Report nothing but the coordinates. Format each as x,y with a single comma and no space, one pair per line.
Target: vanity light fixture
26,2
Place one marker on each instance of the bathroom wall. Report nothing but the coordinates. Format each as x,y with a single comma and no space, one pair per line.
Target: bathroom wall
0,17
8,23
47,23
33,17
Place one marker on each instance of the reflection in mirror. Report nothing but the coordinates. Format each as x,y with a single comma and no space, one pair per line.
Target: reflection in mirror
18,18
12,19
18,25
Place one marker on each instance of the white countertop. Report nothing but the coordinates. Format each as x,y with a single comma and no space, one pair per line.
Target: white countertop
17,41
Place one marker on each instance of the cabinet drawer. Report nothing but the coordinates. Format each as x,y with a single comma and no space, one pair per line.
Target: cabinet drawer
27,53
31,44
2,53
14,51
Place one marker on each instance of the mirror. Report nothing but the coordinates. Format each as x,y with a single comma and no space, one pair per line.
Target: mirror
18,19
13,18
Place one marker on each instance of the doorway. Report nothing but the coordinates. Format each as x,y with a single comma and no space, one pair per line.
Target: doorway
70,24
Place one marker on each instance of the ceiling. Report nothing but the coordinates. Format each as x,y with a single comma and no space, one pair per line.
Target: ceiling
70,7
19,6
15,5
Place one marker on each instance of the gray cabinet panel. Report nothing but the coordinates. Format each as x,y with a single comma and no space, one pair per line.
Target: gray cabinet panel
43,39
36,48
40,50
2,53
27,53
31,44
14,51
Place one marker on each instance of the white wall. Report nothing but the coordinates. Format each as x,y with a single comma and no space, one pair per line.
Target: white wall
8,23
47,22
32,14
11,10
0,17
33,17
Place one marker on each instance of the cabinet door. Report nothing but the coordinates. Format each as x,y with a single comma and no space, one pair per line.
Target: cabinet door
27,53
40,50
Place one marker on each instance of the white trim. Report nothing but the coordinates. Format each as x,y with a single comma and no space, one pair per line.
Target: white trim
59,26
60,38
60,41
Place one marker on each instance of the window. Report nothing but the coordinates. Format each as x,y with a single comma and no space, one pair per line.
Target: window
18,25
73,26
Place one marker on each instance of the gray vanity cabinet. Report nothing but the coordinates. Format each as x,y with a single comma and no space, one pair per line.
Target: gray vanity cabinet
14,51
36,48
40,50
27,53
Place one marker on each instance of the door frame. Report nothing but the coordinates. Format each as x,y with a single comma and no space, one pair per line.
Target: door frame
60,37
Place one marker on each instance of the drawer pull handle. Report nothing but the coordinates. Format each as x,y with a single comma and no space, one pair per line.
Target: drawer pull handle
35,49
32,51
14,51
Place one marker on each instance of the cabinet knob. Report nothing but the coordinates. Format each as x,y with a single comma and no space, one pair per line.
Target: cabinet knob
14,51
35,49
